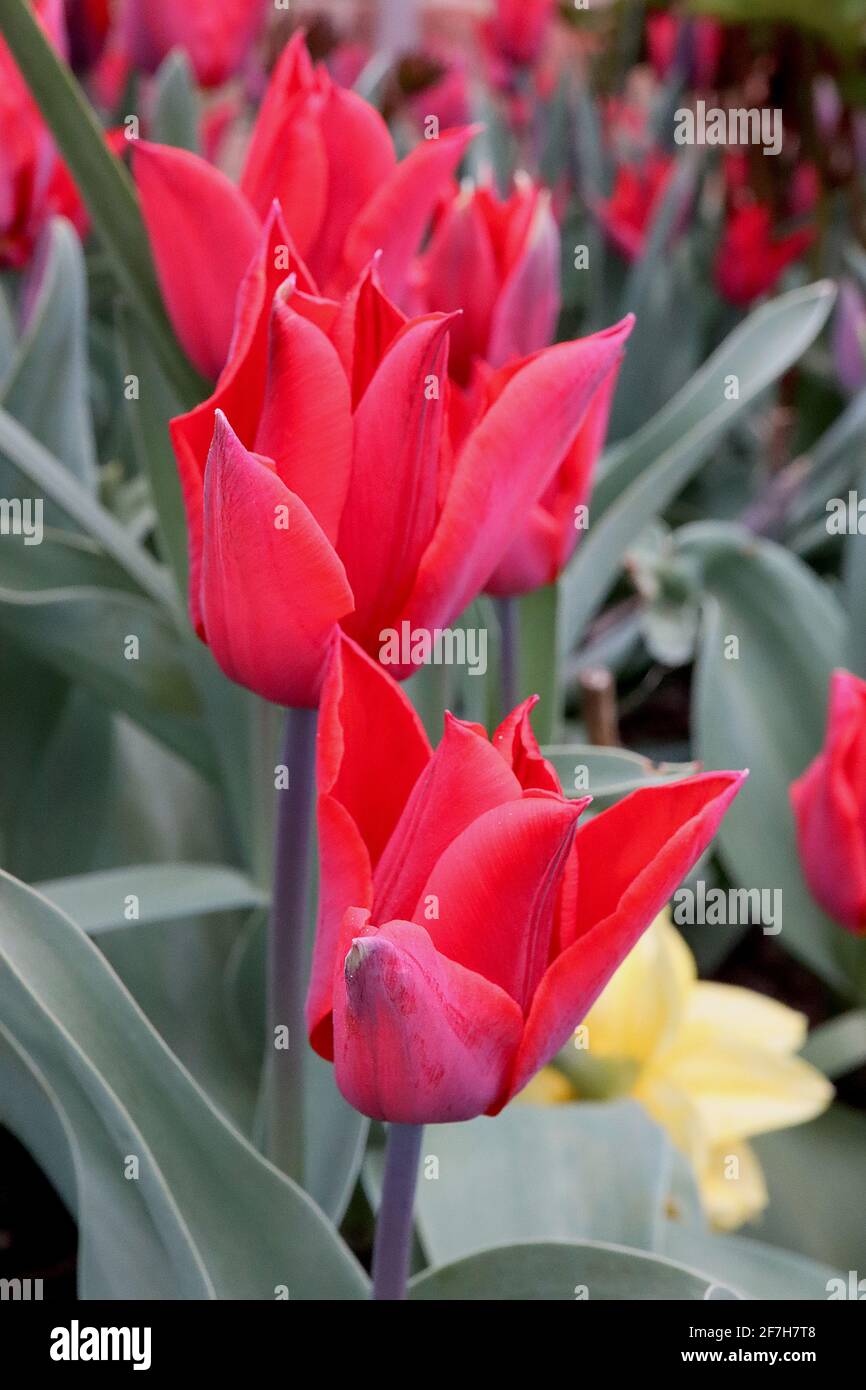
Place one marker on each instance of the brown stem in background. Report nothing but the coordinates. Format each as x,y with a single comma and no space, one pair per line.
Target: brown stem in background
598,698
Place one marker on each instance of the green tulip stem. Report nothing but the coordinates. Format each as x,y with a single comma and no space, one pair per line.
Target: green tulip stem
509,659
287,943
392,1247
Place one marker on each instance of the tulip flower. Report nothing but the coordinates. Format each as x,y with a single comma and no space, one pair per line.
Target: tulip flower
467,921
751,258
216,36
699,47
627,214
517,30
328,157
829,803
323,485
713,1064
35,184
497,260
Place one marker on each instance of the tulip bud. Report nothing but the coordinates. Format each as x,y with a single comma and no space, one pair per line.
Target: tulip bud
829,803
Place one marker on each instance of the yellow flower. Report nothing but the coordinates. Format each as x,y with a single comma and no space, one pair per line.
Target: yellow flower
713,1064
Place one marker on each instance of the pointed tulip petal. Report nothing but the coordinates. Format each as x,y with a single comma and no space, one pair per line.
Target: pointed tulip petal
417,1038
365,328
631,859
272,588
306,420
372,750
396,217
180,195
517,743
464,778
495,891
240,390
526,313
360,155
505,466
390,511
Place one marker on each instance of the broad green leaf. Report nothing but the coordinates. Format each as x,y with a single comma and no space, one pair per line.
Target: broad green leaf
163,893
644,475
544,1172
56,482
175,108
62,559
815,1180
754,1270
334,1134
71,1144
608,774
84,634
548,1272
225,1215
839,1046
761,706
53,349
537,657
102,180
151,403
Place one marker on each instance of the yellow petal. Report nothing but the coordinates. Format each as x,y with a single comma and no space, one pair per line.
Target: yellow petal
741,1090
744,1015
641,1008
732,1186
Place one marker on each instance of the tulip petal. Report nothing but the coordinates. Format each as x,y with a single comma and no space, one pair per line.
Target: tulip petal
505,466
270,595
495,891
372,749
390,511
828,801
365,328
306,420
459,270
395,218
631,858
360,155
526,313
287,158
464,778
417,1038
181,195
240,389
517,743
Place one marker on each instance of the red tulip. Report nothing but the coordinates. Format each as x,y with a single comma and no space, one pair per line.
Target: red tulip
467,922
518,29
216,35
548,535
628,214
334,422
750,258
705,43
829,802
328,157
499,262
35,184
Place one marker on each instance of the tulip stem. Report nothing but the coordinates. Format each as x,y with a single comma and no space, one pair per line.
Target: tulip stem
392,1247
287,942
509,658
